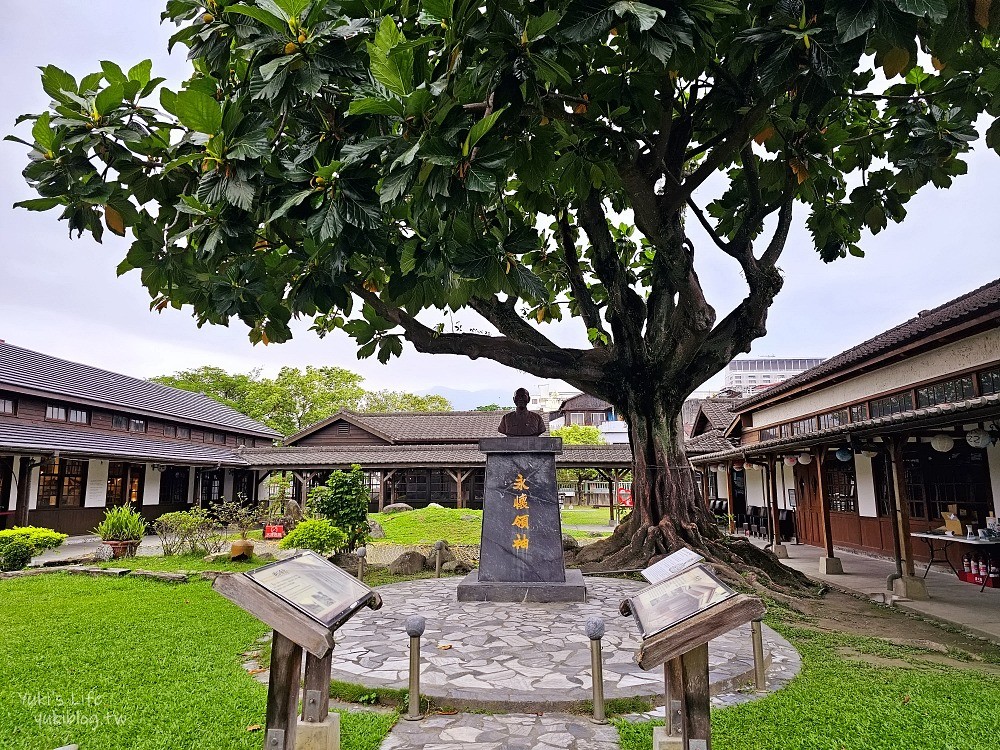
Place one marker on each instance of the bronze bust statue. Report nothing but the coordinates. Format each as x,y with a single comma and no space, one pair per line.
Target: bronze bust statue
522,423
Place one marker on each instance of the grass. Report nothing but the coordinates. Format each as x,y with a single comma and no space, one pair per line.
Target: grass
131,663
461,526
840,703
174,563
586,517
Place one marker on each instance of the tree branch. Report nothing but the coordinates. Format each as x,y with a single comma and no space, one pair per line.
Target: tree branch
589,311
505,319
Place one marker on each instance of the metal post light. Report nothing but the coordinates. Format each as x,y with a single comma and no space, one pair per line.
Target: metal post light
414,628
438,554
595,632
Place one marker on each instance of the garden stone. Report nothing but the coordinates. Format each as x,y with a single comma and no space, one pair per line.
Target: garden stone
266,557
447,556
434,505
216,556
408,563
396,508
569,543
69,747
159,576
375,530
469,518
456,566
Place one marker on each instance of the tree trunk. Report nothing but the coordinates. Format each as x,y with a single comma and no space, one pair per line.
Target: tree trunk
669,512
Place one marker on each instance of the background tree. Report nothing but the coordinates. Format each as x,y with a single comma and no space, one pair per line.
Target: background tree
403,401
490,407
359,163
577,434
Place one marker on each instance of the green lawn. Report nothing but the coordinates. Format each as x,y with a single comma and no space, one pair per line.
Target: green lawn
460,526
128,663
174,563
881,697
586,517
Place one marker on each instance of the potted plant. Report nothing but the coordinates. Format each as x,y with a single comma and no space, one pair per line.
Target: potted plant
122,530
242,516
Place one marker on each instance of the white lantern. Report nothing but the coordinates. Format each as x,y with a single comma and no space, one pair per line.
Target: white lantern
942,443
978,438
738,466
805,458
791,460
720,468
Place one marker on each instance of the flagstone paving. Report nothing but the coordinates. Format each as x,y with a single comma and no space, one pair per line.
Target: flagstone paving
501,732
526,657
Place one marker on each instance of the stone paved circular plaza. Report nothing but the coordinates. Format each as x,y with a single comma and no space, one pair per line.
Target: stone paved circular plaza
525,656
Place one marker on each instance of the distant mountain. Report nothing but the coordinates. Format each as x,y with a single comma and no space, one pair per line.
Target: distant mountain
468,400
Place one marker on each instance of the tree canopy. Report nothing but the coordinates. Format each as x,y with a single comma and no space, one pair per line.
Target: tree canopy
295,398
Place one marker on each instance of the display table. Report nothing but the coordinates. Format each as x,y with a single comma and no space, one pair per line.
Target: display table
942,550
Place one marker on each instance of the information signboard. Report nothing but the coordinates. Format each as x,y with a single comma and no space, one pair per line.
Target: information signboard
671,565
314,586
662,605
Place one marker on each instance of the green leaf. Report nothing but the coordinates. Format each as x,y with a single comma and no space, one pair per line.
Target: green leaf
375,107
856,18
435,12
935,9
481,128
538,25
289,204
594,19
113,72
647,15
109,99
39,204
293,8
258,14
993,136
141,72
180,161
199,112
42,132
56,82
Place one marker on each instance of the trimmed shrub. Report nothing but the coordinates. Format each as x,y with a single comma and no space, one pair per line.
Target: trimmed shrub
15,555
316,534
189,531
344,499
37,538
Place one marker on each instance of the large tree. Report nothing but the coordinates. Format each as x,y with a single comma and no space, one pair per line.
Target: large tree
361,163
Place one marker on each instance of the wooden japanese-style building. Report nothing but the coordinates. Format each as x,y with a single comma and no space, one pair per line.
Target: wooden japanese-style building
415,458
880,441
75,440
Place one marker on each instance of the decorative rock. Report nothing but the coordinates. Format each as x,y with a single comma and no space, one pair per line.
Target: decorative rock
434,505
375,530
569,543
159,575
211,575
469,518
415,625
69,747
456,566
113,572
78,560
594,628
266,557
408,563
216,556
397,508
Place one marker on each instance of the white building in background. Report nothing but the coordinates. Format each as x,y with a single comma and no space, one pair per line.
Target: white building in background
752,375
548,398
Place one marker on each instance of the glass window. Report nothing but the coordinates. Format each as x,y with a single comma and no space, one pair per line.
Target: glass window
884,407
840,485
989,382
137,425
833,419
576,417
859,412
184,432
169,430
770,433
61,484
174,485
57,413
218,437
6,406
948,392
79,416
804,426
119,422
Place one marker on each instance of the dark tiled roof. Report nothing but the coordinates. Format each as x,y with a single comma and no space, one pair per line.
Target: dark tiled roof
45,375
21,436
711,441
718,412
417,427
973,409
584,402
389,456
985,299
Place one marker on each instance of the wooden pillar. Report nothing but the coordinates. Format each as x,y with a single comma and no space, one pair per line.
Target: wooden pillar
283,690
316,704
730,491
824,502
381,489
773,487
23,491
902,509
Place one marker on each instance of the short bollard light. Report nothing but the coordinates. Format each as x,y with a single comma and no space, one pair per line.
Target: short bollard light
595,632
439,548
415,625
759,678
362,554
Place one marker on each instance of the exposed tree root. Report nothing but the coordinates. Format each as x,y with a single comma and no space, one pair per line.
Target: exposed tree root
735,560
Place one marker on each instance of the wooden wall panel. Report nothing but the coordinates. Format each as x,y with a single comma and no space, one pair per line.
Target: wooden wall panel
332,434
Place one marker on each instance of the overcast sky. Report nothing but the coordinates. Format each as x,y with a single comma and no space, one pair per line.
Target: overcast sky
62,297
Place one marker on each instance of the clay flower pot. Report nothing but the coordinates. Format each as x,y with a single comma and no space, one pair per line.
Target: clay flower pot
120,549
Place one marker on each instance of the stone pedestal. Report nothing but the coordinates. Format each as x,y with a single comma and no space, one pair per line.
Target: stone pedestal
663,741
780,551
910,587
831,566
521,555
323,735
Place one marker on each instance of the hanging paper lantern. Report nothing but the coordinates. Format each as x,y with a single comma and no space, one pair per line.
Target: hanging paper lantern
805,458
942,443
791,460
869,454
978,438
720,469
845,454
738,466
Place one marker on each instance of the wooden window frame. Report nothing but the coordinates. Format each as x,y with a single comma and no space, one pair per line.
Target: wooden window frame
58,478
50,413
133,421
71,411
8,406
